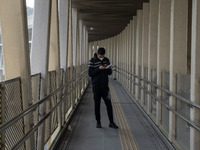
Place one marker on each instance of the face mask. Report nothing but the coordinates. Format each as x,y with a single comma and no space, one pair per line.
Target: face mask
101,58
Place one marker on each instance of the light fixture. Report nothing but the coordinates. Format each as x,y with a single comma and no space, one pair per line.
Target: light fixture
91,28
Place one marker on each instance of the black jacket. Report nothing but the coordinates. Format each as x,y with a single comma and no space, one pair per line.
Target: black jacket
99,77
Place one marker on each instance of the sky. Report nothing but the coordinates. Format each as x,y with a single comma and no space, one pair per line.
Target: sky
30,3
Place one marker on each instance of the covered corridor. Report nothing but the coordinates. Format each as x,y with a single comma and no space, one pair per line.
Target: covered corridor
46,99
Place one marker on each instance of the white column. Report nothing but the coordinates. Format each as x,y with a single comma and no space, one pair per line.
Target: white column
163,47
114,55
54,53
81,41
152,51
70,51
63,28
40,54
138,49
178,51
129,55
117,57
63,34
145,38
16,52
74,34
134,32
195,75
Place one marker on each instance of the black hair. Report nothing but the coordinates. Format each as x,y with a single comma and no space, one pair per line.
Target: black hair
101,51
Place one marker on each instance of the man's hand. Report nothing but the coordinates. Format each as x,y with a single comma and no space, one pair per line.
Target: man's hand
108,68
102,67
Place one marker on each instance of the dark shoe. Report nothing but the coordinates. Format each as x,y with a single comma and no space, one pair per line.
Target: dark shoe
98,125
113,125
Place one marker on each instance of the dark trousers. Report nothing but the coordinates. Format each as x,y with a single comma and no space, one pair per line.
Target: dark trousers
102,91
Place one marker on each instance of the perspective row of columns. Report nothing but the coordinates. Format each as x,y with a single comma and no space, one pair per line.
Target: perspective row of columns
60,40
163,36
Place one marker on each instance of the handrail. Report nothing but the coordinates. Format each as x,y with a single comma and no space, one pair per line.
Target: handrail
39,123
165,90
168,107
31,108
9,123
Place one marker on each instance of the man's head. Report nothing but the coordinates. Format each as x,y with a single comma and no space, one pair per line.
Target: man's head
101,52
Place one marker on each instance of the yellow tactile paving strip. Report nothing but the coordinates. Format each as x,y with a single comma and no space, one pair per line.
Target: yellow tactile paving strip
127,139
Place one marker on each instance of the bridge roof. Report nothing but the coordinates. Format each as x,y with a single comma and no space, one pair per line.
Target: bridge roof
106,17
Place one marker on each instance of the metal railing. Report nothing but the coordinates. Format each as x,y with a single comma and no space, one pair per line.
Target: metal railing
134,78
64,91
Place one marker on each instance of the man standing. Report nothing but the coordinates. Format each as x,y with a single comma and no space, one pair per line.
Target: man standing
99,75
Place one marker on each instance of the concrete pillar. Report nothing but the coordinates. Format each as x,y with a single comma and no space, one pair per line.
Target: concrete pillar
121,56
74,51
86,57
130,54
63,28
54,55
152,46
178,51
134,32
81,50
138,50
195,75
16,52
125,56
81,41
74,34
63,39
145,38
70,51
163,47
40,54
114,55
117,57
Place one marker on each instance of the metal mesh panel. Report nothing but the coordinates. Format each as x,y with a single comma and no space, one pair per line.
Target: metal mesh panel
54,120
47,108
51,123
2,115
68,101
183,130
35,82
165,99
134,81
62,76
139,90
13,106
74,85
154,92
145,86
70,88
